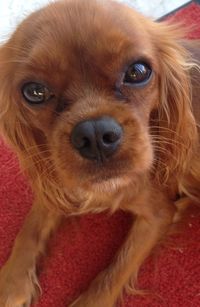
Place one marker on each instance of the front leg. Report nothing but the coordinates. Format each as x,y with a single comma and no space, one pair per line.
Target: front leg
18,280
152,222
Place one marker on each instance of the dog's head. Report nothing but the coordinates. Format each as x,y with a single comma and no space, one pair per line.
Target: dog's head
95,95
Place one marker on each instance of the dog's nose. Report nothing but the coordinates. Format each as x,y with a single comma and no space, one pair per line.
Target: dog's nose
97,139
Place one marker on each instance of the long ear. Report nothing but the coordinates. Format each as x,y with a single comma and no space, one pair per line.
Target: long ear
14,126
9,112
29,143
176,132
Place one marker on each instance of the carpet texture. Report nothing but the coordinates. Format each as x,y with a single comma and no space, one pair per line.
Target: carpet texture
83,247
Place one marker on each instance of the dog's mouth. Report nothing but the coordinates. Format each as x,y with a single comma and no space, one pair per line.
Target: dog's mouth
90,173
107,169
108,181
106,176
109,176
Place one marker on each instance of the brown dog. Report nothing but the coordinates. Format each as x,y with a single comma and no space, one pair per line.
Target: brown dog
96,101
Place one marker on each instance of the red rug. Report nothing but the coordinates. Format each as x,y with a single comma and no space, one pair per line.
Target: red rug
81,249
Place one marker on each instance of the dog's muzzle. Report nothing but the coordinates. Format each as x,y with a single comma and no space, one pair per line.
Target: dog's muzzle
97,139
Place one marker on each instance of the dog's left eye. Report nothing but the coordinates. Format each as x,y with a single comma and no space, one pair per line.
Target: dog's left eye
36,93
137,74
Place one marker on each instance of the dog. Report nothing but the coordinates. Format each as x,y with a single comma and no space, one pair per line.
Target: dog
101,105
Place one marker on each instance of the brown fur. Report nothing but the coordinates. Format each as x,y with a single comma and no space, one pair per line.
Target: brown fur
79,49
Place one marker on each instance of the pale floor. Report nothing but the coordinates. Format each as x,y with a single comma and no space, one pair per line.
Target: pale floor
13,11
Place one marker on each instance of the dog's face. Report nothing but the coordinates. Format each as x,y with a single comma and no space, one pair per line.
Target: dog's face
84,80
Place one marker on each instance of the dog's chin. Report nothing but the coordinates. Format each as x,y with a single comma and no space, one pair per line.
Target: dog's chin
108,182
110,185
99,183
104,179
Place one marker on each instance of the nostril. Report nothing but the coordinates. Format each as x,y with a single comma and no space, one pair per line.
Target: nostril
83,143
110,137
83,135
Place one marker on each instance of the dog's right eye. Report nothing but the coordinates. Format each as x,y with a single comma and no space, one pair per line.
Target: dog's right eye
137,74
36,93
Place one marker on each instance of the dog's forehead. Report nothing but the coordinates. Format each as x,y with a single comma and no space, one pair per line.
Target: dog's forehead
82,19
79,40
86,28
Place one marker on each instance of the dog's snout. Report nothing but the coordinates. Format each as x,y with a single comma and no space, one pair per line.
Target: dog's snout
97,139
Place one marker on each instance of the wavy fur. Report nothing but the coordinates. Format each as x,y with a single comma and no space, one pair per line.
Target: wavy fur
157,161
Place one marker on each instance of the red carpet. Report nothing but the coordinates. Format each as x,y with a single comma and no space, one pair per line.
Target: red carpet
81,249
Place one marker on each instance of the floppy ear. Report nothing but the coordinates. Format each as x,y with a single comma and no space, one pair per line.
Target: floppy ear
29,144
14,126
10,114
174,122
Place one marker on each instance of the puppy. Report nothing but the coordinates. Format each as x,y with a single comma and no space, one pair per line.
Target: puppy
96,101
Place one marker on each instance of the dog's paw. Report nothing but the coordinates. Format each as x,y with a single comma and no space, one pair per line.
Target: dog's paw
85,300
182,205
18,288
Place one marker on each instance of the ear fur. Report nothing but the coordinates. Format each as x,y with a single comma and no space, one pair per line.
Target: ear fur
173,125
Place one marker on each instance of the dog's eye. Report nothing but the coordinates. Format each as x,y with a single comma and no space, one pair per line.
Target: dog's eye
36,93
137,74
